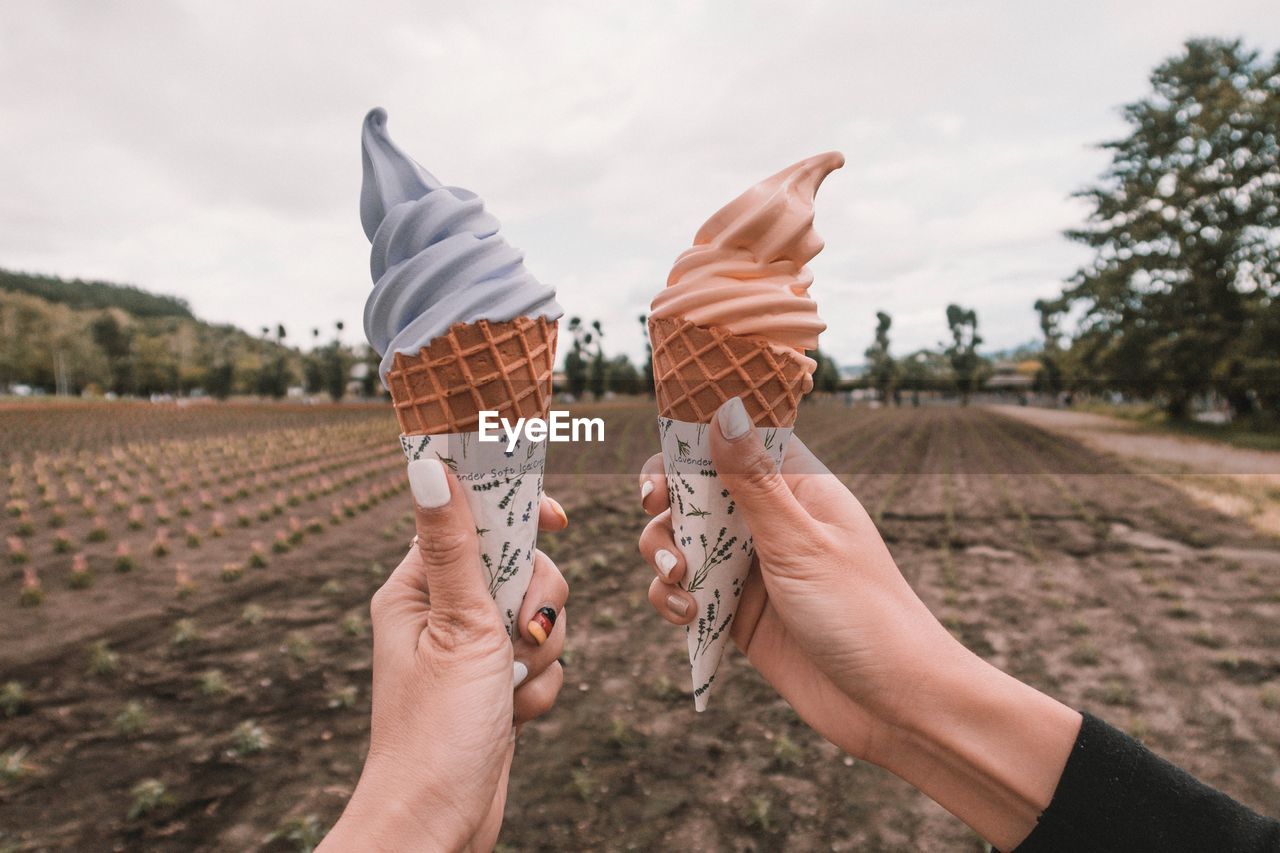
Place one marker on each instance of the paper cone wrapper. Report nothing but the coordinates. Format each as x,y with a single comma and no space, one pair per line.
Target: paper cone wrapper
713,537
504,491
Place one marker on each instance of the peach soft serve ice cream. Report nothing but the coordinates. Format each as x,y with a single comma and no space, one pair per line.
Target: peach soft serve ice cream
733,324
746,273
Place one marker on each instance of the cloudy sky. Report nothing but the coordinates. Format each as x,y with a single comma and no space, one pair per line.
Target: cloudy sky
211,150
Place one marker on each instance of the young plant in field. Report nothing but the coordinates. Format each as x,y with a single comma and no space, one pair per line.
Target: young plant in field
1086,653
243,519
354,625
160,545
62,543
132,719
281,545
252,614
248,738
18,553
184,586
303,834
232,572
25,526
163,515
14,766
185,633
257,555
344,697
98,531
149,797
32,594
218,526
787,752
57,518
213,683
13,698
124,561
314,525
137,518
299,647
186,507
295,530
102,660
80,577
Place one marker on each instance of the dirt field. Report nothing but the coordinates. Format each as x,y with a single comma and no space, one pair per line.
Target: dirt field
246,698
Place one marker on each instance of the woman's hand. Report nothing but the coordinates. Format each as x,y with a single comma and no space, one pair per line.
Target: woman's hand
825,615
829,621
449,688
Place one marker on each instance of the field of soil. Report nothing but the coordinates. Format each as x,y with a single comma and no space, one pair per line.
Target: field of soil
215,696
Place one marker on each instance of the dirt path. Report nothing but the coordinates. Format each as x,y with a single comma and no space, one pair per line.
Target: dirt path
1232,480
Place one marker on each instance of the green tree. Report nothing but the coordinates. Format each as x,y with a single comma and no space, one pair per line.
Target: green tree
826,376
1180,293
575,364
646,369
882,370
966,364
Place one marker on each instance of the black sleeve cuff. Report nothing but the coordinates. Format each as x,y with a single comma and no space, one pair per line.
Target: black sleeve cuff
1115,794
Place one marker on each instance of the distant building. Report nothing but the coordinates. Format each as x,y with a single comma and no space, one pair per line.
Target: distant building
1013,375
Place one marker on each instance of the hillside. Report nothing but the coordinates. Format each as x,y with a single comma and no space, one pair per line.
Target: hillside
74,337
76,293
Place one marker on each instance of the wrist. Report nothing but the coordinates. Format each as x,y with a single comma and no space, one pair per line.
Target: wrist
985,746
379,817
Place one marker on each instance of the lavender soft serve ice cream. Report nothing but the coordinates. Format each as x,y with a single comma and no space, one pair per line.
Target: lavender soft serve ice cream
437,257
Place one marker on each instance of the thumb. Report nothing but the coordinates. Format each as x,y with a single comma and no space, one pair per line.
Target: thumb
447,542
770,509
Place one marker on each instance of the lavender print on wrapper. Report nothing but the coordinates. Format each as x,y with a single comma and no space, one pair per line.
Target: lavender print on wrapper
712,536
504,490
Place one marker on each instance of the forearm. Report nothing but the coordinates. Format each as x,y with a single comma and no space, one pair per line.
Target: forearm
985,746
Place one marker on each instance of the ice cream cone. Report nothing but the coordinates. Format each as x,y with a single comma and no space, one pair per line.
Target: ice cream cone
712,536
474,367
438,395
735,320
696,370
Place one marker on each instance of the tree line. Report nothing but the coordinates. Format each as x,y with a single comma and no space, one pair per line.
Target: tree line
62,345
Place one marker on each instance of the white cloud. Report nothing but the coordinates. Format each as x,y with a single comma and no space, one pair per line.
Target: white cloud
211,150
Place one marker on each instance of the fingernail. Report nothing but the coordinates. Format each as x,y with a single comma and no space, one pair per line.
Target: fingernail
519,672
646,489
678,605
665,561
428,484
559,510
541,624
733,420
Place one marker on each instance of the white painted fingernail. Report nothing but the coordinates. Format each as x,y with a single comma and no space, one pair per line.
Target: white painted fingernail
733,420
428,484
519,672
665,561
646,489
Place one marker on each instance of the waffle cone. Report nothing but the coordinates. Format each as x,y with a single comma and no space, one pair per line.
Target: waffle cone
696,369
474,367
